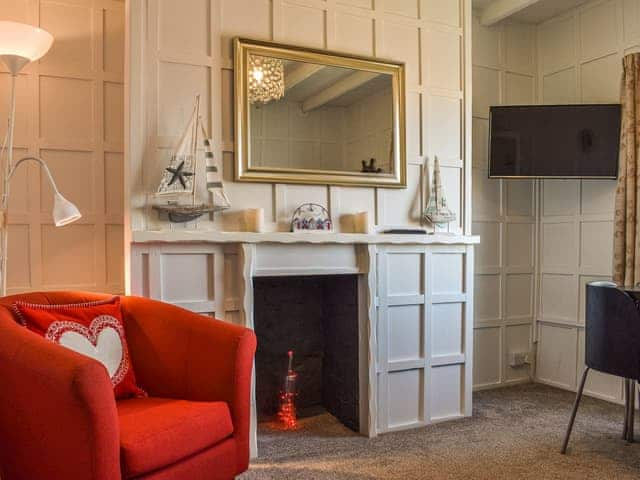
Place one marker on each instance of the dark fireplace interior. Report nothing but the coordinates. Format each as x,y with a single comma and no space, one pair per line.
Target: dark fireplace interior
317,318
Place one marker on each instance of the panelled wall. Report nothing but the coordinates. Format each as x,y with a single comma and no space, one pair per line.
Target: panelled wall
504,66
180,49
580,56
70,111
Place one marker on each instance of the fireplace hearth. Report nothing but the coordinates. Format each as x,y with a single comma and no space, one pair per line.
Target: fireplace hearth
317,318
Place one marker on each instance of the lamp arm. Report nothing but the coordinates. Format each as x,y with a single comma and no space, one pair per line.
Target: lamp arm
42,164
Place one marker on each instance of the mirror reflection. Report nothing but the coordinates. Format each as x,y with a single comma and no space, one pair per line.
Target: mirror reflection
307,116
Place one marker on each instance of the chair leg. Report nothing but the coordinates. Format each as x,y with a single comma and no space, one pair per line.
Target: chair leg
632,410
574,411
626,409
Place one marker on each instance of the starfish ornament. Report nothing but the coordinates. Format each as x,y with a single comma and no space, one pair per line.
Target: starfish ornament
179,174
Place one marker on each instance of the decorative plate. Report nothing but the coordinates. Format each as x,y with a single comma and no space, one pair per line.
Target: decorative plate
311,217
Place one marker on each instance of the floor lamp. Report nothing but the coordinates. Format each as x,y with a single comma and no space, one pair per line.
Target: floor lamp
21,44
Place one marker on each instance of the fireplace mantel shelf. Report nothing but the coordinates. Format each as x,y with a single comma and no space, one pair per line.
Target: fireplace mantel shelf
200,236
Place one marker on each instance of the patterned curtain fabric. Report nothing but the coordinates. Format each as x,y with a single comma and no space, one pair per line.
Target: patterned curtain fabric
626,236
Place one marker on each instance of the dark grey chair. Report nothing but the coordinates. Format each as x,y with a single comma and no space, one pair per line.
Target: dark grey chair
612,345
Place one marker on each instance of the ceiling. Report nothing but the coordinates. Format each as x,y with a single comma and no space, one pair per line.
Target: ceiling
537,12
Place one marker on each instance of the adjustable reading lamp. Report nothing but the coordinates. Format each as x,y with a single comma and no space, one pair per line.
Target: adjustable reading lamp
21,44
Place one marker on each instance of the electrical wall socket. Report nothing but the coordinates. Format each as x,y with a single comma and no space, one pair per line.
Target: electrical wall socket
518,359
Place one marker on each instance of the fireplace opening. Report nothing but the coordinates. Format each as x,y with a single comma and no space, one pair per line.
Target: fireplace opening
317,318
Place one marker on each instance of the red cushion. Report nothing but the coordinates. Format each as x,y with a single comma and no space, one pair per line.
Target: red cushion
156,432
94,329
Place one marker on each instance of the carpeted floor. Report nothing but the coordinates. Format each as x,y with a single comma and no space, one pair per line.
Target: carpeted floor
515,433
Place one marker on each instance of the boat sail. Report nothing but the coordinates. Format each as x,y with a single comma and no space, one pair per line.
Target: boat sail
180,177
437,211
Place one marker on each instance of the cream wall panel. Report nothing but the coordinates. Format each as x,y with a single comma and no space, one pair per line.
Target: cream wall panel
518,339
596,247
560,197
519,89
443,134
402,42
68,23
631,21
488,299
486,46
405,331
519,48
355,33
486,90
558,246
519,245
519,295
556,44
560,87
598,196
66,110
294,16
407,8
69,256
488,251
607,387
447,325
487,356
480,140
520,198
559,297
70,112
601,80
448,12
601,18
557,351
442,59
183,26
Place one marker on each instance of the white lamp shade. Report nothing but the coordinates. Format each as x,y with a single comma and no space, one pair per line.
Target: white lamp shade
24,40
64,212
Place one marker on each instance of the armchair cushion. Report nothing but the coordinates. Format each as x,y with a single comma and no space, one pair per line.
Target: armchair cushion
93,329
157,432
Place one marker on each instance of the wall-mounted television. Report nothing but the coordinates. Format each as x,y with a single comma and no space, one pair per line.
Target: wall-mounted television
554,141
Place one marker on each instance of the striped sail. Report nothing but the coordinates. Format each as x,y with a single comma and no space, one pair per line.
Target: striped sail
213,175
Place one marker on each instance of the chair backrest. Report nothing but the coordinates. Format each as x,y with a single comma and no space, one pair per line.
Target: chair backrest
612,334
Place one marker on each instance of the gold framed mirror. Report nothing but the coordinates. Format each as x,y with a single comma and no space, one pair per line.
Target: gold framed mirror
316,117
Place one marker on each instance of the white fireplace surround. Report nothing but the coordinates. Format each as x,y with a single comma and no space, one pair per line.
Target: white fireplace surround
415,295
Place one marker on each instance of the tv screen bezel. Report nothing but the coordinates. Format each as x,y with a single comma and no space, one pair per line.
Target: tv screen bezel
575,177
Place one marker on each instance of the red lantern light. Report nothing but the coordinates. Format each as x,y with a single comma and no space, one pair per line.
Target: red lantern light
287,412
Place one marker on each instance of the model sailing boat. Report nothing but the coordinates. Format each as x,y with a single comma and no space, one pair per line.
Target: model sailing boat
180,177
437,211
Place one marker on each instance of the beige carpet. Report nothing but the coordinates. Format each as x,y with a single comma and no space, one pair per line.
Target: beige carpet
515,433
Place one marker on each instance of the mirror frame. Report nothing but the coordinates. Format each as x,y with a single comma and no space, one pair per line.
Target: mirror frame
244,172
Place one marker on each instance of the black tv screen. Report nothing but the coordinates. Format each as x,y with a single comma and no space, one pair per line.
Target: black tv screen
560,141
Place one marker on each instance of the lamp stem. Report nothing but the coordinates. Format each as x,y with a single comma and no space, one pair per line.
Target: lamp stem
8,164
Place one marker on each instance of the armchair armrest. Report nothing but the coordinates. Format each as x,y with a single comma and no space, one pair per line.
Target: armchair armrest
181,354
58,415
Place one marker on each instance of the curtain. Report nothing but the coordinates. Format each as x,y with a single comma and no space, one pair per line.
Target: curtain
626,236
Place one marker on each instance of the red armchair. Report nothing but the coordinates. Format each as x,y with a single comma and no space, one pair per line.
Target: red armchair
59,418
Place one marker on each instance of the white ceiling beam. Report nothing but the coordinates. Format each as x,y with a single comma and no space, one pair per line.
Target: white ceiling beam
337,89
499,10
300,73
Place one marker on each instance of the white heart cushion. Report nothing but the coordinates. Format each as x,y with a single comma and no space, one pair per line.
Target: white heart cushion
107,350
102,341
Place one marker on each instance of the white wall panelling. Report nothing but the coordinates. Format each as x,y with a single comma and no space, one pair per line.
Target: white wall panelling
415,304
187,50
504,67
580,62
70,111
